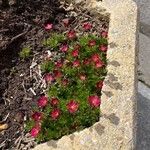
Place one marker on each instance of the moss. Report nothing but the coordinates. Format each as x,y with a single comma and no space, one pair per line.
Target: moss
25,53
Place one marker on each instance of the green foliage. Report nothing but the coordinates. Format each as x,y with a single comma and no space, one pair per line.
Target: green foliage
54,40
47,66
76,89
83,40
25,52
53,91
29,125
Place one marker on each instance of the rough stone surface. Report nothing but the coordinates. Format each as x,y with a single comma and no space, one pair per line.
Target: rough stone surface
116,128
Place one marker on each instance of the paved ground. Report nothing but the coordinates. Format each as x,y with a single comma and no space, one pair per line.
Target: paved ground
143,135
144,51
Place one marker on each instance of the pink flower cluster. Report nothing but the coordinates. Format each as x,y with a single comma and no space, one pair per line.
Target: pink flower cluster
73,106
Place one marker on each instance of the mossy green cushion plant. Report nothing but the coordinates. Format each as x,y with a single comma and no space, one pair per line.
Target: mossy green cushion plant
25,53
74,82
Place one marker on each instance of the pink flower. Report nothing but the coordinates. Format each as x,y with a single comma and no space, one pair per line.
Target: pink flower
55,114
104,34
103,48
71,34
35,131
86,61
57,74
42,101
65,22
64,48
37,116
76,63
48,26
99,84
48,77
92,43
94,101
95,57
54,102
75,53
72,106
59,64
99,64
82,77
87,26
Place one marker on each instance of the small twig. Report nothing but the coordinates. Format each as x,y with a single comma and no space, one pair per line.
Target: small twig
27,98
19,142
12,40
17,36
40,72
24,87
30,73
27,140
4,30
8,100
6,117
32,91
2,144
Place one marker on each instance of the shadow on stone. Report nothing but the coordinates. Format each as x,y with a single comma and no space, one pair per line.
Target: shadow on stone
114,85
145,28
114,63
52,143
117,86
143,123
112,118
112,82
112,45
108,93
99,129
72,137
112,77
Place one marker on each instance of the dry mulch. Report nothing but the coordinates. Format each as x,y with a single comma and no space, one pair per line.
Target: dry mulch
22,26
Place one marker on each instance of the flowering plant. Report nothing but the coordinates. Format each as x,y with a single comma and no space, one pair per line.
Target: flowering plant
74,82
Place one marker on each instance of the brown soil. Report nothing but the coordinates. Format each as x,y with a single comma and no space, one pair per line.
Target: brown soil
22,26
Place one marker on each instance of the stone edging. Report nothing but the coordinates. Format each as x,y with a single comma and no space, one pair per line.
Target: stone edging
116,129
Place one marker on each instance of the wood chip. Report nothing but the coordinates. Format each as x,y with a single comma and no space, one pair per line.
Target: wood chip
33,65
33,92
3,126
6,117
